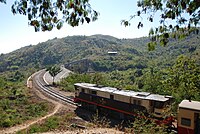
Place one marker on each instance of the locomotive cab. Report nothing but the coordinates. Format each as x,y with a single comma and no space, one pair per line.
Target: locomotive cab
161,106
189,117
158,108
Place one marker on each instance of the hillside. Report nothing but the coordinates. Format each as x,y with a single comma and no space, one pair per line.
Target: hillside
131,53
133,67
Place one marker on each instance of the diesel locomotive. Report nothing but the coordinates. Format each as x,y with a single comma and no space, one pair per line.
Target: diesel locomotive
125,104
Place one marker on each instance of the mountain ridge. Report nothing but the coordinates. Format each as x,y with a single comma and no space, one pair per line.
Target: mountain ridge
95,48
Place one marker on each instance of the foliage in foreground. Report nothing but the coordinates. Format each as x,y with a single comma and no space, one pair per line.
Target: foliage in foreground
100,121
177,18
45,15
146,126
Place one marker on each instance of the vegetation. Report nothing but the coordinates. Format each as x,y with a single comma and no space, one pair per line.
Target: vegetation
132,53
53,71
18,104
180,80
184,79
100,121
56,122
178,19
45,15
145,126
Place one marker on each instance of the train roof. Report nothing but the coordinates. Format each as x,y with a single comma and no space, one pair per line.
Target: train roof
193,105
139,95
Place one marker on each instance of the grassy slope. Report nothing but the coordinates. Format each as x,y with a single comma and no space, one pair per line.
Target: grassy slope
17,103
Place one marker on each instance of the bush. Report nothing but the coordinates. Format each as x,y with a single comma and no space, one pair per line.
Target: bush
99,121
35,110
37,128
7,123
52,123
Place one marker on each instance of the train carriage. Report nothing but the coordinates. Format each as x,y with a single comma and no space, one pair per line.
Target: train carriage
189,117
124,102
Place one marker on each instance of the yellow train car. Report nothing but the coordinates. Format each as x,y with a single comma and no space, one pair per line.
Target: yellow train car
189,117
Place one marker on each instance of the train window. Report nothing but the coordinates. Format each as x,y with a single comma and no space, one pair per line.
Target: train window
83,90
94,92
112,97
158,104
185,122
151,103
136,102
78,88
157,113
139,102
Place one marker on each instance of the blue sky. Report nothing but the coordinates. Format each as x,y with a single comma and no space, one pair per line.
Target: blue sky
15,32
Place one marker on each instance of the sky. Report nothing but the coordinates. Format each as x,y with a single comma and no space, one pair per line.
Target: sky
16,33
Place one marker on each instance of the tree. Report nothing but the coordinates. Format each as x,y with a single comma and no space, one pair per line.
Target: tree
173,20
97,78
152,81
3,1
184,79
53,71
45,15
144,125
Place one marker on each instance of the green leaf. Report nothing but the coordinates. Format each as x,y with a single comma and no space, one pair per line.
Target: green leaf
151,46
87,19
3,1
59,25
29,16
151,32
166,35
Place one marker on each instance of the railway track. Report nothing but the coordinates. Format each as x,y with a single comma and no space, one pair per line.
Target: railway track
38,80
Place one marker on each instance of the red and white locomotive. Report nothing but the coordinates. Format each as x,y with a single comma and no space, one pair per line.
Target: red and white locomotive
125,103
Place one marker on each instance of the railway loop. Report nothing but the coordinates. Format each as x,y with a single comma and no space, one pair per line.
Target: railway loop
39,82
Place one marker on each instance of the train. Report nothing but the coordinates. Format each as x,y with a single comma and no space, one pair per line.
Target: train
125,104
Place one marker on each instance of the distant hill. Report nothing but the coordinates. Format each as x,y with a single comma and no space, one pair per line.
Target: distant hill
131,53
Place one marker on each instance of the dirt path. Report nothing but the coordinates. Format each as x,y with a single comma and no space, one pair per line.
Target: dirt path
89,131
26,125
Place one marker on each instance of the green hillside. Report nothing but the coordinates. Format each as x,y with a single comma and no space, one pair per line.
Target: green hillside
131,53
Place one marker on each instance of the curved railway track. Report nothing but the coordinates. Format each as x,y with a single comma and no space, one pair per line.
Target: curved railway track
39,82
